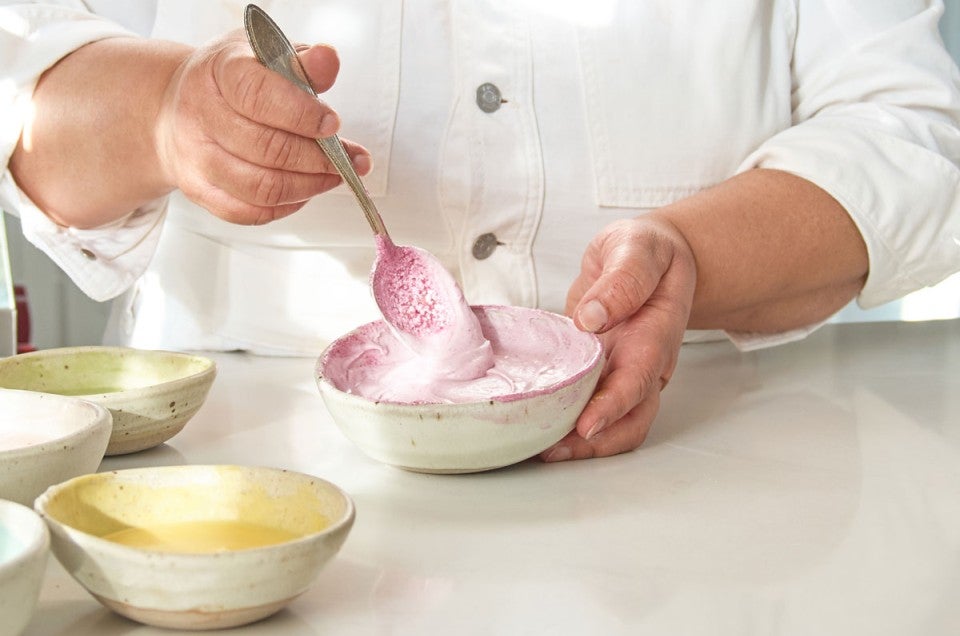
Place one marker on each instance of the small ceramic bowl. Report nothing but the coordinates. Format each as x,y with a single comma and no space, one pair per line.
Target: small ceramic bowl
151,394
46,439
24,546
216,569
474,436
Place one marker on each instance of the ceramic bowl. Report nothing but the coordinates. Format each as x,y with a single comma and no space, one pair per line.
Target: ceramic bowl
467,437
151,394
219,586
46,439
24,546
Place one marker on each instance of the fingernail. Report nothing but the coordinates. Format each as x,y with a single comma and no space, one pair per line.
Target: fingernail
362,163
329,125
596,428
593,316
558,454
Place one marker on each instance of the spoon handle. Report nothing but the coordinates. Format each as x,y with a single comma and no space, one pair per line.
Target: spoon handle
338,157
274,51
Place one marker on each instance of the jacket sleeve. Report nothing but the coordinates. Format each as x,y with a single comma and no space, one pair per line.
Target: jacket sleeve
876,123
103,262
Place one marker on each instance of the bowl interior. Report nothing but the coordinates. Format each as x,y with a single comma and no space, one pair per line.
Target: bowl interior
185,508
536,352
30,419
97,370
22,532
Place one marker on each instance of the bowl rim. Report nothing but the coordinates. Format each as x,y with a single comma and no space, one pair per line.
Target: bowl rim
39,534
102,418
129,552
209,364
325,384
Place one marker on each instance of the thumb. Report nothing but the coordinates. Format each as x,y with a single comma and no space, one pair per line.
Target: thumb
614,297
321,63
632,264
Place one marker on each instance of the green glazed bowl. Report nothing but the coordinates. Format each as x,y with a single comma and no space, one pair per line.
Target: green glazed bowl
150,394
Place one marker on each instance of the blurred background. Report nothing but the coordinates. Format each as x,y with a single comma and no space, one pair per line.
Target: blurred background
57,314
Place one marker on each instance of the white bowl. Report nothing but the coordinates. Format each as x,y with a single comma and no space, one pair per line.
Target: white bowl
151,394
466,437
181,589
24,545
46,439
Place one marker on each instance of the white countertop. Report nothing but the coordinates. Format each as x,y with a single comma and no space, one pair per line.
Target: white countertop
812,488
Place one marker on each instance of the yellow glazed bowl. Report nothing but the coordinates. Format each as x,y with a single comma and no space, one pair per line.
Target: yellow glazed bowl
179,588
467,437
24,546
46,439
151,394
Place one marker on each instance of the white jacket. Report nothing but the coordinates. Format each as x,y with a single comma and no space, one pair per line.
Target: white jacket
603,110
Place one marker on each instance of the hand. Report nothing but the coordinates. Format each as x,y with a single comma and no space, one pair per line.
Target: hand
635,289
239,139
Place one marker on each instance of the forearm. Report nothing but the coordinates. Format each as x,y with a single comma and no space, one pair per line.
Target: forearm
88,154
773,252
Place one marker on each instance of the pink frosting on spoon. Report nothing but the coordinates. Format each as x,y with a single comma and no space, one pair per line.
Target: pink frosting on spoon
432,347
426,309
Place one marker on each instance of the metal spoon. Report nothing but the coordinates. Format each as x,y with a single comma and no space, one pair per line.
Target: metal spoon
415,293
274,51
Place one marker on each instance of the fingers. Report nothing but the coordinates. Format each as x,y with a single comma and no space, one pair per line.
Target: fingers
262,186
266,97
624,435
240,140
275,148
636,289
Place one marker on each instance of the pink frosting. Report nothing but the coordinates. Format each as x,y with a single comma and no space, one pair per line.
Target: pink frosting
428,314
533,351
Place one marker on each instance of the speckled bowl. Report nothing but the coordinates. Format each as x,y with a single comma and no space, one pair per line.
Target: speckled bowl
206,590
466,437
151,394
46,439
24,546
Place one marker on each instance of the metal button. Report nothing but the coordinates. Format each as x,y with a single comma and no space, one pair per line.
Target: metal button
484,246
488,97
90,256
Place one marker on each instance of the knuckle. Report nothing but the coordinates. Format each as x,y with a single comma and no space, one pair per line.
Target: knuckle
626,291
269,189
273,145
247,93
305,119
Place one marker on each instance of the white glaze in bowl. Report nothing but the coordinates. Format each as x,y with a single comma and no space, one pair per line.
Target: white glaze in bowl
46,439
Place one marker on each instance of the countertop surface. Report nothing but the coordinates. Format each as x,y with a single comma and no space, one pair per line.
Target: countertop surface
812,488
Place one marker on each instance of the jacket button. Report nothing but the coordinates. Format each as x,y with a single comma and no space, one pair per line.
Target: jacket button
87,254
488,97
484,246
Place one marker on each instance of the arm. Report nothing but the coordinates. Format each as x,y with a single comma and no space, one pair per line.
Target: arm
773,251
764,251
859,199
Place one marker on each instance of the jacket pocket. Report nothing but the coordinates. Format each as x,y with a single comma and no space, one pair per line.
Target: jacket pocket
677,94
